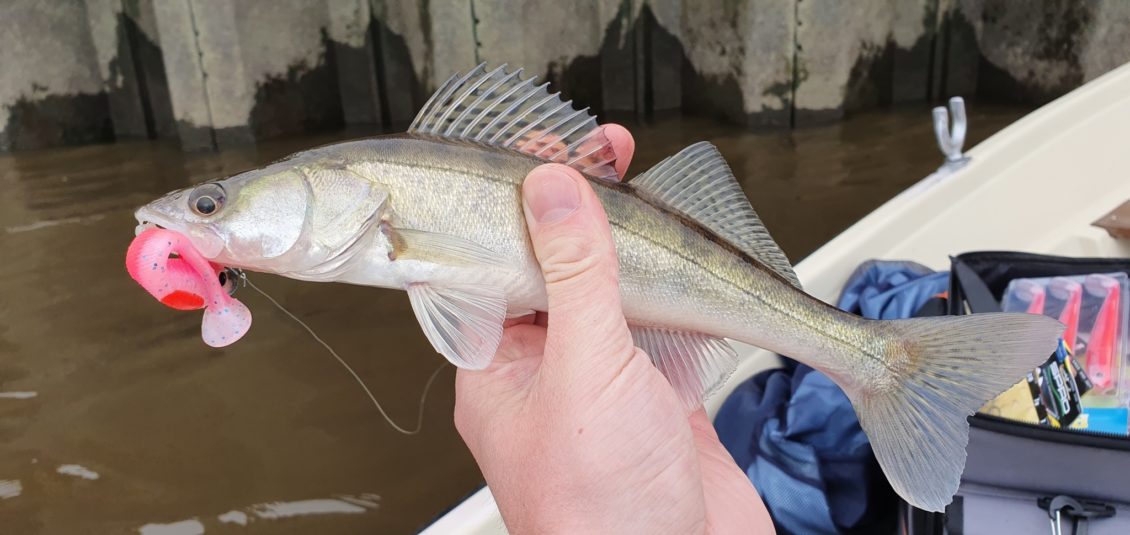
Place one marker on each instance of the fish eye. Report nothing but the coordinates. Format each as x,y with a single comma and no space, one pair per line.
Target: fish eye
206,199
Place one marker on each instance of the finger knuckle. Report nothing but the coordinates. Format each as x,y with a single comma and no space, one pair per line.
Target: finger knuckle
571,257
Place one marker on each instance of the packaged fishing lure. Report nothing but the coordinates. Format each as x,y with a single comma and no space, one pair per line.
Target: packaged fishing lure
1087,383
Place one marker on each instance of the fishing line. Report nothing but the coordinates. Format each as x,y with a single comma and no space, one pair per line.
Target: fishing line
377,404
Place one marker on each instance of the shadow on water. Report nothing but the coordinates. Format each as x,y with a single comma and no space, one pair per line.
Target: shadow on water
163,429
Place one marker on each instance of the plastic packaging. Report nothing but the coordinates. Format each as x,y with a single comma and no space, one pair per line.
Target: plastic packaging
1096,312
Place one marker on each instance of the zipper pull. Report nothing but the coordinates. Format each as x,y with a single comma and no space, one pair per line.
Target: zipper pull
1080,512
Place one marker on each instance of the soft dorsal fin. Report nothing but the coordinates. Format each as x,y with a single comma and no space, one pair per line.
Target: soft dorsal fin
698,183
500,109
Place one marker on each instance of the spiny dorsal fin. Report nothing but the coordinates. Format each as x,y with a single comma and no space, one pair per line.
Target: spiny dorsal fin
500,109
698,183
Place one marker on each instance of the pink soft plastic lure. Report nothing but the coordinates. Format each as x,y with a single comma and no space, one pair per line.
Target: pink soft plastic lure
187,281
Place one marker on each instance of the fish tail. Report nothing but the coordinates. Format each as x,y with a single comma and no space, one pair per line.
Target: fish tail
938,372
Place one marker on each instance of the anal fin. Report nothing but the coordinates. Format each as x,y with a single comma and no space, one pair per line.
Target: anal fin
696,364
464,324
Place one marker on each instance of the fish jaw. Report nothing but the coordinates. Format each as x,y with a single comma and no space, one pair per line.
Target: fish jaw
164,214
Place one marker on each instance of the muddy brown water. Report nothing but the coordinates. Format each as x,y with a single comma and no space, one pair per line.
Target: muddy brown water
114,416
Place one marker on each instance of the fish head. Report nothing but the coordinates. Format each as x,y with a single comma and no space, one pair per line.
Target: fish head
289,217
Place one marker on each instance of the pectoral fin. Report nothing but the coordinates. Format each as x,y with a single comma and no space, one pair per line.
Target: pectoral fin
464,324
695,364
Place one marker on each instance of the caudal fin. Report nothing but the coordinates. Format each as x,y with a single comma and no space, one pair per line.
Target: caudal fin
950,367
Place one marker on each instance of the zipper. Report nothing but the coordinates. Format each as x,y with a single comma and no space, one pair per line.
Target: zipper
1025,261
1075,437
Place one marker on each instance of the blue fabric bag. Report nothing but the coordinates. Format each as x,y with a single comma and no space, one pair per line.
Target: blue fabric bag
796,434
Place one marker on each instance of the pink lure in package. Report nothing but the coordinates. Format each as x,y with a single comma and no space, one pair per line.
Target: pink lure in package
1094,309
167,265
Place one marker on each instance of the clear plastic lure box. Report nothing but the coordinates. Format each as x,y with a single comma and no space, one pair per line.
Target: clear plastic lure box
1095,310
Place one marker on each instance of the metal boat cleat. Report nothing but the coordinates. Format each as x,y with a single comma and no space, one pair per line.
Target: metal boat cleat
951,140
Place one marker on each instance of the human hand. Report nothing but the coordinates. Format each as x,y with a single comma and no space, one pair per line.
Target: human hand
573,427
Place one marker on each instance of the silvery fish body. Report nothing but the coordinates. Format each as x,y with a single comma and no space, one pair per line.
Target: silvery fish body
437,212
674,273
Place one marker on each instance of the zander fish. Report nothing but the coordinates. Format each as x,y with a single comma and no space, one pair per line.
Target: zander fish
437,212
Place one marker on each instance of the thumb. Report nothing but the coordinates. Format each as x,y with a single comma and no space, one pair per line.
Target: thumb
573,244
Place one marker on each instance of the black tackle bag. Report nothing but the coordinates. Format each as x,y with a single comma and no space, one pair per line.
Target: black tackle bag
1019,475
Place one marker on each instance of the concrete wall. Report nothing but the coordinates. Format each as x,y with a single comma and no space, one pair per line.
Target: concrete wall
741,60
1038,53
853,55
252,70
219,73
51,101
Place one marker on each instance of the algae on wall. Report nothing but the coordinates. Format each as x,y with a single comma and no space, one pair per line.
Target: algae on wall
219,73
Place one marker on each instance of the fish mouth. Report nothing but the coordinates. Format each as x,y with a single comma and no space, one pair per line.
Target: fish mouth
147,219
205,240
143,226
230,278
